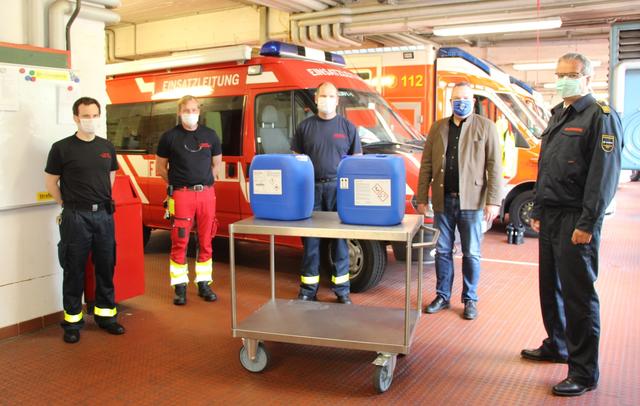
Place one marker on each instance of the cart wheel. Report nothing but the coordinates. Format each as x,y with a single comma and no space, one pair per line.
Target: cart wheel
258,364
382,377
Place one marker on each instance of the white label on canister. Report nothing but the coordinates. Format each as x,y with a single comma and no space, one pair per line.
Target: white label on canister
302,158
372,192
344,183
267,182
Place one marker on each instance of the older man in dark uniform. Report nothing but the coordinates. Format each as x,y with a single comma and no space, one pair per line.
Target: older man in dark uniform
578,172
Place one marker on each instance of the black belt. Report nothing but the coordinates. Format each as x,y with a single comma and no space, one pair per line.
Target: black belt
325,180
85,206
452,194
195,188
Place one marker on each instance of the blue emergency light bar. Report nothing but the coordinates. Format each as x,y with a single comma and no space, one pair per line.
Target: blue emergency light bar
453,52
277,48
520,83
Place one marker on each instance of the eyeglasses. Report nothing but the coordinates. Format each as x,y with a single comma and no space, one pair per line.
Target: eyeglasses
570,75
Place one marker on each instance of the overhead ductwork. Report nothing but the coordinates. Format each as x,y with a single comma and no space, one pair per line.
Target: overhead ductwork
61,8
40,36
417,17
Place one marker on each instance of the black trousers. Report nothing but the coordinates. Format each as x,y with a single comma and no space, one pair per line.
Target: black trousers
82,232
568,299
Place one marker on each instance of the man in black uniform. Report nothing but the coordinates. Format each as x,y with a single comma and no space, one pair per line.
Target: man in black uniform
326,137
85,167
578,173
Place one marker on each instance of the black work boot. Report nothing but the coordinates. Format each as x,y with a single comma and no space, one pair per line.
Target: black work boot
205,292
180,298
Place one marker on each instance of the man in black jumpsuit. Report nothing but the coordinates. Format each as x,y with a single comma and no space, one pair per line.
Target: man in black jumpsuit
85,165
578,173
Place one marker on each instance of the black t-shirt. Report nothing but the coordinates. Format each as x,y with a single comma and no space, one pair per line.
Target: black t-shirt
326,142
84,168
189,154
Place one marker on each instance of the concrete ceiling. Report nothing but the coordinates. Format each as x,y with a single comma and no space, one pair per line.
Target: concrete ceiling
141,11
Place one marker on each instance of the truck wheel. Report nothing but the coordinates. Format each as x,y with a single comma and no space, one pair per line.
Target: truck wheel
367,262
520,212
146,234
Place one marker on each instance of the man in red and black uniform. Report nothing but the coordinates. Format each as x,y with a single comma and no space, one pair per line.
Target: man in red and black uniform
79,175
188,158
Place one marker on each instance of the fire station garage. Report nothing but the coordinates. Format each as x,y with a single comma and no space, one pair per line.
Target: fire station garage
315,202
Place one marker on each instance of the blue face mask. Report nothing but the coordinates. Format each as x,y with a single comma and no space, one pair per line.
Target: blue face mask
462,107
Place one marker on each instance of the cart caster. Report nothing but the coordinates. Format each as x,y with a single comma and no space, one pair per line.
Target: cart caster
260,358
383,375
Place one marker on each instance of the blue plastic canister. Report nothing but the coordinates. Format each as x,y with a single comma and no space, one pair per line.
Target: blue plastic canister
281,186
371,190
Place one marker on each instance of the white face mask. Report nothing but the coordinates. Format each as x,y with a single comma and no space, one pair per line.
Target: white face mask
327,105
189,120
89,125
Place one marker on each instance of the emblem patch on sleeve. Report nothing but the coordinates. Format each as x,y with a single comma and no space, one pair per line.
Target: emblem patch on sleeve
608,142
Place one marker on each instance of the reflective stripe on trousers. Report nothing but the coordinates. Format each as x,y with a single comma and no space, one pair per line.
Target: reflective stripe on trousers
310,280
204,271
98,311
72,318
179,273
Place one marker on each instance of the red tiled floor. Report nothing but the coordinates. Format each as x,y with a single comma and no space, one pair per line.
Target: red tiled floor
186,355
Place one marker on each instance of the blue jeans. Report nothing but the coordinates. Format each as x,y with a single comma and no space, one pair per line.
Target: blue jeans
324,200
469,223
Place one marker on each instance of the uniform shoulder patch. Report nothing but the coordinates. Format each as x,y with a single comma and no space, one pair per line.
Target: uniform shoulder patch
604,106
608,142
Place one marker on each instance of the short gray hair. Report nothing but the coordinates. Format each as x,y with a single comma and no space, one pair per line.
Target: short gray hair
587,68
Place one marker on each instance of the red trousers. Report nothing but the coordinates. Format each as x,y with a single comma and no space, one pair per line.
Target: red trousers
199,207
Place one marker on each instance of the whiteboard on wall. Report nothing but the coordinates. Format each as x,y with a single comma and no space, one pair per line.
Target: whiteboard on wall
35,112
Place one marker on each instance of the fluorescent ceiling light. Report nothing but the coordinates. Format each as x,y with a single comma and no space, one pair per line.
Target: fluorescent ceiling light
545,65
497,27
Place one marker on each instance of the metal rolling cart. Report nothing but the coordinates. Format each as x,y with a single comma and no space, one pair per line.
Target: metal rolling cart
387,331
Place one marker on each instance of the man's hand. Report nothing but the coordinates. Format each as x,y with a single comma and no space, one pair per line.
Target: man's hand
422,208
580,237
535,225
491,211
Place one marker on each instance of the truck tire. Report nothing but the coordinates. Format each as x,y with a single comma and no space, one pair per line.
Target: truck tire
146,234
367,262
520,212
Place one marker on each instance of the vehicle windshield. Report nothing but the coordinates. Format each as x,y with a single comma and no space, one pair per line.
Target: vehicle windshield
376,122
533,122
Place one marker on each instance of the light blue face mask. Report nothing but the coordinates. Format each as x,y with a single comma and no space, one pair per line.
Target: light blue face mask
462,107
566,87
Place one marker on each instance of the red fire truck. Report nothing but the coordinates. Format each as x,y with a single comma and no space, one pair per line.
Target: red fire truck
254,100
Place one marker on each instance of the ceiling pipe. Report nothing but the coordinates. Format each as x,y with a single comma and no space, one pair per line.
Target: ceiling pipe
327,35
336,30
284,5
464,12
73,17
314,35
107,3
426,24
37,23
313,4
304,38
60,8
